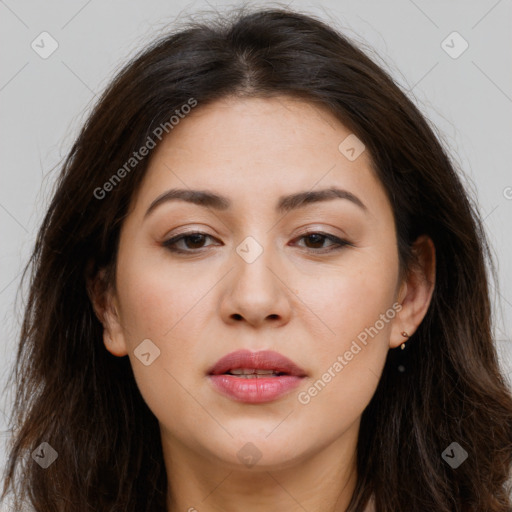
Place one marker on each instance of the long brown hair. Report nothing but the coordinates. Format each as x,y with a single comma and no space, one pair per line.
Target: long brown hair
84,402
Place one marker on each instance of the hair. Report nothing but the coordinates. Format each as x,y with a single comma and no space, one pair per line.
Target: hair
76,396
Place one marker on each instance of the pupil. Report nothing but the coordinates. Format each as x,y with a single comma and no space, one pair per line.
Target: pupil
318,237
196,239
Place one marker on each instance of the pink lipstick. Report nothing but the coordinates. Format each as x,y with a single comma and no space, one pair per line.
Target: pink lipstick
255,377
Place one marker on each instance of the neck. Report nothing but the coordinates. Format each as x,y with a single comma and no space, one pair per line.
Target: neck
322,481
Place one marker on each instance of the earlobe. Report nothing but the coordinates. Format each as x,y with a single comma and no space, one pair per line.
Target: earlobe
115,347
416,292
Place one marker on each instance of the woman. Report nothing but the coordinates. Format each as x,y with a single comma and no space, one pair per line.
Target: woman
268,228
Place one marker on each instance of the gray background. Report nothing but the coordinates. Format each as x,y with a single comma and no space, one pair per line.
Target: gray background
44,101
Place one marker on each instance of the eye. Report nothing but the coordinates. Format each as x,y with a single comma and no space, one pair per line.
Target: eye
316,240
193,240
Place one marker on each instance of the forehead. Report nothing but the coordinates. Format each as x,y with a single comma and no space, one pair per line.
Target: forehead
256,149
275,130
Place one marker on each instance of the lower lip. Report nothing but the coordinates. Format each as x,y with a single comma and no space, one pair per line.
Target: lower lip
256,390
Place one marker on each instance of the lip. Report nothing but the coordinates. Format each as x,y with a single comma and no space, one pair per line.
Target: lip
260,389
262,360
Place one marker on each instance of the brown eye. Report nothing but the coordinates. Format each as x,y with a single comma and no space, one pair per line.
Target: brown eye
191,241
196,240
316,240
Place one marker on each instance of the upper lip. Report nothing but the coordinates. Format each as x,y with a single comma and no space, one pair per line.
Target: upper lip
262,360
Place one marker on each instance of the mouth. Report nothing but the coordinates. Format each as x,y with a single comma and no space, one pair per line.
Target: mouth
255,377
253,364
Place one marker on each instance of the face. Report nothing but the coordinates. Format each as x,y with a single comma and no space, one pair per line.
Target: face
317,281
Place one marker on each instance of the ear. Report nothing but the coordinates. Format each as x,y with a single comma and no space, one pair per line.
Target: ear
415,291
106,308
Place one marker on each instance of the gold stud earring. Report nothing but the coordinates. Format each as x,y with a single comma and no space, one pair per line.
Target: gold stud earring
405,335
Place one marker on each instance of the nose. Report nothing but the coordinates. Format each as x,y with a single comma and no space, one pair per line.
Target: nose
257,292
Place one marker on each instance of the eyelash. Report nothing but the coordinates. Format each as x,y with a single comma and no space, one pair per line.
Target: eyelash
339,243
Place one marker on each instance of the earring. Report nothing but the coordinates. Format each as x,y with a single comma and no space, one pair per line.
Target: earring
405,335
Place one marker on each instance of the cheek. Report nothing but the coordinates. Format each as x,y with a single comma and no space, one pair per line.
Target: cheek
337,398
351,299
357,304
155,299
165,306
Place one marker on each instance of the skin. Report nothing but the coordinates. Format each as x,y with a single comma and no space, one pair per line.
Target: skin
307,305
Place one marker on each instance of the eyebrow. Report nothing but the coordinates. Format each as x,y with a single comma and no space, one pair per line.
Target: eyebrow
208,199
